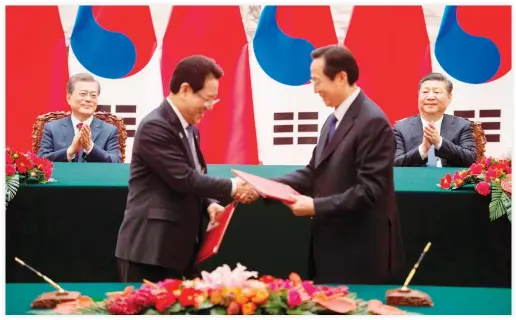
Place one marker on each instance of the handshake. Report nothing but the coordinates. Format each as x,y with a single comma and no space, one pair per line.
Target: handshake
244,192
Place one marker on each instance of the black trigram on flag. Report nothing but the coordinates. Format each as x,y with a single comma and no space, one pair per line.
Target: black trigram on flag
126,112
490,120
302,130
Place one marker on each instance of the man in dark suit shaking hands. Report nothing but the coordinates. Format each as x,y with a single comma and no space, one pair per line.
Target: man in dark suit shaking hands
347,187
169,190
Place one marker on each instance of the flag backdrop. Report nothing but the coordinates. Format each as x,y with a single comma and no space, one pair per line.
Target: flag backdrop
122,55
473,48
228,132
288,114
278,122
392,49
36,69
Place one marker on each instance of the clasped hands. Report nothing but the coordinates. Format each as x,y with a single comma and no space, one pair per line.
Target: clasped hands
81,139
430,137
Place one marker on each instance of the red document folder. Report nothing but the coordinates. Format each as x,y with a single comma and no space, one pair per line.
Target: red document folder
215,233
268,188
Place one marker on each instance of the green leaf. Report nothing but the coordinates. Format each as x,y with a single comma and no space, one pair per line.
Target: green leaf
296,311
12,183
496,207
95,308
217,311
205,305
175,308
507,203
151,312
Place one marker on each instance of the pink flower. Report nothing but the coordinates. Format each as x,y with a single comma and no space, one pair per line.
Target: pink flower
309,287
483,188
294,299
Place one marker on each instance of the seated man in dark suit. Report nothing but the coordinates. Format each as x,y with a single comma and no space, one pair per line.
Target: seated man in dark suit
432,138
81,137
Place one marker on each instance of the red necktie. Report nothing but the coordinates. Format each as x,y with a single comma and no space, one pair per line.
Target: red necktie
79,126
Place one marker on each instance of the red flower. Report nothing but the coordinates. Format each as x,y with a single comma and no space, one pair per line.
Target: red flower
491,174
483,188
458,179
267,279
446,181
8,158
187,297
476,168
22,164
47,171
10,170
164,301
171,284
509,170
294,299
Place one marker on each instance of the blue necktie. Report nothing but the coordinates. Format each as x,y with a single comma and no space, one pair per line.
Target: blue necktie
432,160
191,142
331,131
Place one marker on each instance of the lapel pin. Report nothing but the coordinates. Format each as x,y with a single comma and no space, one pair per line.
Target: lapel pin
180,135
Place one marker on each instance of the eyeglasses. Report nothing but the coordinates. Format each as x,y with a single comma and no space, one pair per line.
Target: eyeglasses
208,102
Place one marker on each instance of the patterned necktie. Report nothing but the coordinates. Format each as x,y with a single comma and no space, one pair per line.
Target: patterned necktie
79,126
191,142
432,160
331,130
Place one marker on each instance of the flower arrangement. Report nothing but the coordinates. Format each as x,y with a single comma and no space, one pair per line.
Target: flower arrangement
491,176
24,168
228,292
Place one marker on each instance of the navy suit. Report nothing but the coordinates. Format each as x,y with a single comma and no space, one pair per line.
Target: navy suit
458,148
58,136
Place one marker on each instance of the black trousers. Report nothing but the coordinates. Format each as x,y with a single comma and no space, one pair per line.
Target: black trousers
130,271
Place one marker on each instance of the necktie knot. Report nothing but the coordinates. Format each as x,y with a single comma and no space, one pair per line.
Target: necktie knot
79,125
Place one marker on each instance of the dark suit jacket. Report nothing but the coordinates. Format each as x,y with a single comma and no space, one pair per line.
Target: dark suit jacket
355,232
167,195
58,136
458,148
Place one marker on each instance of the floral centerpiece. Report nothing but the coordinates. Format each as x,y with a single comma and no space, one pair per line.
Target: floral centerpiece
491,176
228,292
24,168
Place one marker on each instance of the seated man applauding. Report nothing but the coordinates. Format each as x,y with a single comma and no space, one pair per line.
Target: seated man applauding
81,137
434,139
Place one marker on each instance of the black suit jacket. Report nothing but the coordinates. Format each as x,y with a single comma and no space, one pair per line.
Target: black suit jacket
167,195
355,232
458,148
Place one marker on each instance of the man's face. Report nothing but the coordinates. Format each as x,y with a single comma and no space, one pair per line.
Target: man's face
331,91
84,98
201,101
433,97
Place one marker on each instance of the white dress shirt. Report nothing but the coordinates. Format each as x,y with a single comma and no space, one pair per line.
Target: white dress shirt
344,106
75,122
437,126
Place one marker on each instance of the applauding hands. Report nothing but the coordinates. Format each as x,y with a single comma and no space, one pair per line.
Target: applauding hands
81,140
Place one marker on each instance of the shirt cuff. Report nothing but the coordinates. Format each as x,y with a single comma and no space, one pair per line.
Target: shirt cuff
437,147
70,159
421,153
233,186
88,151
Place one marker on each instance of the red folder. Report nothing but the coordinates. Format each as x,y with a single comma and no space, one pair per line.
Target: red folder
268,188
215,233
